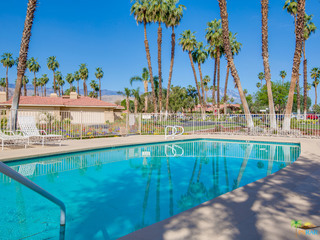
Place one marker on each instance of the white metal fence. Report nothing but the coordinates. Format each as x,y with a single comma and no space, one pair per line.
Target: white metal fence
81,124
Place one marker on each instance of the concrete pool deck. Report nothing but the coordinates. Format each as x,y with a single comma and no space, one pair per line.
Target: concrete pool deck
260,210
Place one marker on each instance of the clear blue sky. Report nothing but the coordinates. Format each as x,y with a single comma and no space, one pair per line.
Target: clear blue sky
103,34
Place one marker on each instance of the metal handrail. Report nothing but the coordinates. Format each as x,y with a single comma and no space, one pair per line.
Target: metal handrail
31,185
174,131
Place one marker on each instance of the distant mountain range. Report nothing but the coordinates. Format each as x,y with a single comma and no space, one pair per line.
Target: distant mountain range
114,96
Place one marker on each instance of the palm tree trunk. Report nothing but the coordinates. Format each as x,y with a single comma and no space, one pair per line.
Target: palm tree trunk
298,96
7,85
265,56
35,84
45,90
54,82
84,88
299,30
234,73
128,105
160,66
146,43
78,89
201,82
218,80
173,45
214,83
25,89
23,54
135,106
196,81
100,88
145,83
316,95
305,80
225,90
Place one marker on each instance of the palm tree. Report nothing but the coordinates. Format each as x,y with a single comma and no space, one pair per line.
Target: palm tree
7,62
292,8
296,224
25,81
44,81
84,75
309,28
140,10
39,86
206,81
228,52
265,57
3,84
99,74
199,56
296,61
235,50
315,74
95,89
53,65
60,82
70,79
158,13
145,78
34,67
261,77
76,76
283,75
173,19
214,37
258,85
127,93
22,65
189,44
136,94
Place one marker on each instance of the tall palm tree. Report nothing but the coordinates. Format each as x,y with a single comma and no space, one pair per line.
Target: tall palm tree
199,56
299,32
7,62
84,75
60,82
292,8
34,67
136,94
76,76
158,13
99,74
315,75
173,19
206,81
283,75
39,86
25,81
265,57
95,89
70,79
140,10
189,43
235,50
145,78
44,81
309,28
228,53
53,65
214,37
212,54
23,55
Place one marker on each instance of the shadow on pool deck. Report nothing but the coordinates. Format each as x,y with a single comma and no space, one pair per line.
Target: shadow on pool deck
260,210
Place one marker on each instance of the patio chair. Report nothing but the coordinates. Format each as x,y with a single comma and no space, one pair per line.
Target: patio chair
13,139
29,129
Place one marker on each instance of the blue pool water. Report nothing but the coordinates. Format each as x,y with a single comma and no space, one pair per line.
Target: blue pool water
111,192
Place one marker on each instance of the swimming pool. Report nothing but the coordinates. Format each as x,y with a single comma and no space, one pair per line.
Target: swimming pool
111,192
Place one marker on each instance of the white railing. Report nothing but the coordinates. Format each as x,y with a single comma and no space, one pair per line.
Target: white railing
174,131
82,124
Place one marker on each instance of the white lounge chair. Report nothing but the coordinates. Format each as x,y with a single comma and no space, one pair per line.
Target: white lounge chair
13,139
29,129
